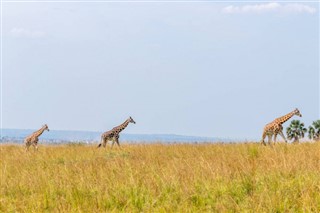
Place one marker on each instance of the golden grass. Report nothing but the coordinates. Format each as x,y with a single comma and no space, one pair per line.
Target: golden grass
161,178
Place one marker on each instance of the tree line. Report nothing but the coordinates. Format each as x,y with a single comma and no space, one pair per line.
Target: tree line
296,130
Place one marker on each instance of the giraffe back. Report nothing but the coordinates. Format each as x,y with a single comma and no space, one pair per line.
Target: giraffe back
108,134
33,138
273,127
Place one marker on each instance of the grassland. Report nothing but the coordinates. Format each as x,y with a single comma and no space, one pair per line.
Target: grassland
161,178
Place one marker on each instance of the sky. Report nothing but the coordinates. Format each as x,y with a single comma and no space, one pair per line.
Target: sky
190,68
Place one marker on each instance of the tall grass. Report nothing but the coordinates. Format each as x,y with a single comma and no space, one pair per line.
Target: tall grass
161,178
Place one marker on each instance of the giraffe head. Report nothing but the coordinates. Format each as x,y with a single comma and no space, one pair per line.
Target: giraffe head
46,127
297,112
131,120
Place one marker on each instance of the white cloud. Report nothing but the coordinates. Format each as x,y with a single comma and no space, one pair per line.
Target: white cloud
299,8
269,7
21,32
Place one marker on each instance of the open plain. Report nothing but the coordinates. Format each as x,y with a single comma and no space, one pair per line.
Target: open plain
161,178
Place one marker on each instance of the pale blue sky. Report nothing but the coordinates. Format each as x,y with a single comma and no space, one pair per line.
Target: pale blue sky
192,68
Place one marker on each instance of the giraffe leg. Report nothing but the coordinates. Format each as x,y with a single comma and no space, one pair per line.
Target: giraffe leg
270,140
104,143
282,135
113,141
28,144
34,146
262,140
117,141
275,138
27,147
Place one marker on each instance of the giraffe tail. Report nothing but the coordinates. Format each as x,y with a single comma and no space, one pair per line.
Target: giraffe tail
99,145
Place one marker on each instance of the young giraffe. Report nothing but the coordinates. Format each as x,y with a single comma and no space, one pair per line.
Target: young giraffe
114,133
34,137
275,127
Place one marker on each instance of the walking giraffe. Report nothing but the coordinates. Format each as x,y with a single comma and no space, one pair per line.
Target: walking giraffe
34,138
114,133
275,127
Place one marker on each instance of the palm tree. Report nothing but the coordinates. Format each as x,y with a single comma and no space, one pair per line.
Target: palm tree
314,131
296,130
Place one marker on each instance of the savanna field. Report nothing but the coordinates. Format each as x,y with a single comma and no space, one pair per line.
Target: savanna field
242,177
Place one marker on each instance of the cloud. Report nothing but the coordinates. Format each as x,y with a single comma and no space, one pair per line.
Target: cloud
21,32
269,7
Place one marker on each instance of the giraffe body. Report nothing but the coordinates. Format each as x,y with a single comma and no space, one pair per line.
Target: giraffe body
114,134
275,127
34,138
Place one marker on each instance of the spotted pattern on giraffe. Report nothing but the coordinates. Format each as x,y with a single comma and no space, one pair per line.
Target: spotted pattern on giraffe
114,134
275,127
34,138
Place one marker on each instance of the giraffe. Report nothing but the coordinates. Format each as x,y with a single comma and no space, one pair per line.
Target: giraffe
275,127
34,137
113,134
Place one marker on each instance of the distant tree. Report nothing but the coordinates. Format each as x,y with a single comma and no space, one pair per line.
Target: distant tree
311,133
296,131
314,131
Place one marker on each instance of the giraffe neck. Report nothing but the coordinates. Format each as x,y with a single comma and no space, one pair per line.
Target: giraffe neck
284,118
122,126
39,132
